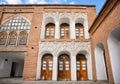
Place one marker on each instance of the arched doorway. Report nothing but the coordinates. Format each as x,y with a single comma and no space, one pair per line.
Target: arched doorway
64,67
47,67
114,53
81,67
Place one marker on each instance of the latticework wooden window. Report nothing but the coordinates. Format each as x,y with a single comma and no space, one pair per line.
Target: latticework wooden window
12,38
79,30
64,31
50,31
16,23
23,38
3,37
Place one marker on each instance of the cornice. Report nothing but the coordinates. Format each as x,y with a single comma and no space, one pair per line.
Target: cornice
47,5
65,40
106,9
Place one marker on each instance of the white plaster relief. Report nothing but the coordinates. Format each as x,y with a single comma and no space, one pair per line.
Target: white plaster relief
57,16
55,48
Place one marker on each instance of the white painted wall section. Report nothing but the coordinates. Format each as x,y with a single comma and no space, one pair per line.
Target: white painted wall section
6,66
114,52
100,64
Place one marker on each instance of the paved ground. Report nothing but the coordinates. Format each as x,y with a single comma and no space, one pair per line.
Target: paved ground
19,81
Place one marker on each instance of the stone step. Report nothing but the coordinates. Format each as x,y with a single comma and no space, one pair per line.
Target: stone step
19,81
66,82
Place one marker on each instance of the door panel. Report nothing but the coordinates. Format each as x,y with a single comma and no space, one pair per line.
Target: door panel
64,67
47,67
81,67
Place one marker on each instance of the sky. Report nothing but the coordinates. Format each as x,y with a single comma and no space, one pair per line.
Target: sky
98,3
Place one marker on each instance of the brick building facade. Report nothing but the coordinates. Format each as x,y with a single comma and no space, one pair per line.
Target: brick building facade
60,42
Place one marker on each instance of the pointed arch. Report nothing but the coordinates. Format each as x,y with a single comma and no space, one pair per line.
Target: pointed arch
12,38
49,20
80,20
65,20
16,23
3,37
23,38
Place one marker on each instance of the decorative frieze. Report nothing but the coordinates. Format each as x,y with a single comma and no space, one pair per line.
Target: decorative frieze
70,15
57,47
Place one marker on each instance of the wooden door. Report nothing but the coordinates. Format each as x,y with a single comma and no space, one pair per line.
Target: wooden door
47,67
64,67
81,67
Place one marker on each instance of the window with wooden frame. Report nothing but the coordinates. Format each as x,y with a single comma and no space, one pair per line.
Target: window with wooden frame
64,31
12,38
79,31
3,37
23,38
50,31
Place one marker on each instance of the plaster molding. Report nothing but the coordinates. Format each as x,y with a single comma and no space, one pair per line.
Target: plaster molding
57,47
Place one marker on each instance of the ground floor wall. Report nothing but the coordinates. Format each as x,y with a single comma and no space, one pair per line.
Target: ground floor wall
7,69
69,48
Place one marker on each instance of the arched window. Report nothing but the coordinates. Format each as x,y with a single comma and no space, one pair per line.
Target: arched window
50,31
16,23
12,38
3,37
79,30
23,38
64,31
